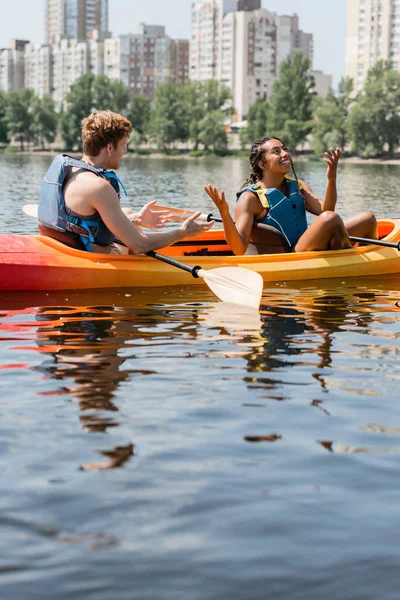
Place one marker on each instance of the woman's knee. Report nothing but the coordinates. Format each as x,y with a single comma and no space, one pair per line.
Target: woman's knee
330,220
369,218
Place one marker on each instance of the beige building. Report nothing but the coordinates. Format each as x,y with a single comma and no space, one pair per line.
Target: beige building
38,69
323,83
72,59
373,33
12,66
248,57
146,59
242,45
75,19
292,39
206,38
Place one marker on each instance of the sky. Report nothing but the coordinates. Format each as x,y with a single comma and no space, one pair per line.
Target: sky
24,19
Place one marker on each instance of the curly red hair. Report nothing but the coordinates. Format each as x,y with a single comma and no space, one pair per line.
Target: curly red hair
101,128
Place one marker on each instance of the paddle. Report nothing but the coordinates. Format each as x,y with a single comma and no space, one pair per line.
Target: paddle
179,214
235,285
210,217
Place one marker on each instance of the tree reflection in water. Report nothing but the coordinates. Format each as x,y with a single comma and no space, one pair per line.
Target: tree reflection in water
83,343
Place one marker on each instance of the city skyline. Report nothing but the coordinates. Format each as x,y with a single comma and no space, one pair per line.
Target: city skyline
26,16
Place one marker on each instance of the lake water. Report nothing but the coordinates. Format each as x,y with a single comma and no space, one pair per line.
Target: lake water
157,444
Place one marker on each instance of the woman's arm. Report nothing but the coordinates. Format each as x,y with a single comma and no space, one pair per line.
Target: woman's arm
237,234
316,205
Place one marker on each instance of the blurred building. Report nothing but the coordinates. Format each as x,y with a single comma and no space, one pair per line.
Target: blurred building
292,39
373,33
242,45
39,69
12,66
146,59
248,57
74,19
323,83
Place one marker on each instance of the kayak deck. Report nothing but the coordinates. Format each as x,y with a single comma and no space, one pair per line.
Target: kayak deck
42,263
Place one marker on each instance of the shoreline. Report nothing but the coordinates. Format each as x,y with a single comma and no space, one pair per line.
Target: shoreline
356,160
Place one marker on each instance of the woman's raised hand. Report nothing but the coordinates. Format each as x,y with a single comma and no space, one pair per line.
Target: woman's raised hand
218,199
332,158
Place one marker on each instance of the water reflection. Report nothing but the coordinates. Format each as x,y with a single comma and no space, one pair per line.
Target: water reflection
83,343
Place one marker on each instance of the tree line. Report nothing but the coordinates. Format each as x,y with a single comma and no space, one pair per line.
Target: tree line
367,123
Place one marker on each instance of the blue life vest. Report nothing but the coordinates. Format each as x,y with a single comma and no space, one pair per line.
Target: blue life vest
286,213
54,214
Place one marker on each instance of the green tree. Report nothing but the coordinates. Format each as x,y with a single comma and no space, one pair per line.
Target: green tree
45,120
139,113
19,115
212,131
90,93
169,118
3,122
374,122
291,99
331,118
109,95
257,122
203,98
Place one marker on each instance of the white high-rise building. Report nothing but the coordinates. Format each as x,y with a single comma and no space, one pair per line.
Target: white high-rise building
248,57
242,45
75,19
373,33
71,60
12,66
38,69
205,54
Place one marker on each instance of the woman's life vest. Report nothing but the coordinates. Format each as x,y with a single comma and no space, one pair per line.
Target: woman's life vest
54,214
286,213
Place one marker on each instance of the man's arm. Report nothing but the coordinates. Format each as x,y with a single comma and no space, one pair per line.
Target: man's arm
104,199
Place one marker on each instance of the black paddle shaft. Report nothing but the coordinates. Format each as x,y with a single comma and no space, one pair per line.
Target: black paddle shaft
170,261
376,242
396,245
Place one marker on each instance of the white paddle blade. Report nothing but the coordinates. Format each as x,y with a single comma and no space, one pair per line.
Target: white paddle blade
31,210
235,285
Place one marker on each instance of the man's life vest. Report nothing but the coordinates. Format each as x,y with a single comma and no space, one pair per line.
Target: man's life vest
54,214
286,213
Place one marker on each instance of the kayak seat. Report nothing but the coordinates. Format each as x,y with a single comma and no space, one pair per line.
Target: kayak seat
69,239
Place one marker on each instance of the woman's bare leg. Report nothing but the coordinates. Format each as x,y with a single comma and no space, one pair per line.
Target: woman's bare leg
327,232
362,225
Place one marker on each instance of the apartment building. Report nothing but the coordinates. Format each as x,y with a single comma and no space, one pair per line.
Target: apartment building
242,45
248,57
292,39
72,59
39,69
373,33
74,19
144,60
12,66
323,83
205,55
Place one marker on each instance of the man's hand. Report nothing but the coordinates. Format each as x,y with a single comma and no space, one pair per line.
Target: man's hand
332,158
190,228
150,216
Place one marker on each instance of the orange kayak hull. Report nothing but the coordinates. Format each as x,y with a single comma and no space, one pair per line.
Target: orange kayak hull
41,263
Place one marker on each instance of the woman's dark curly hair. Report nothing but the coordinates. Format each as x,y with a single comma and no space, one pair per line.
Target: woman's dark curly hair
257,152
